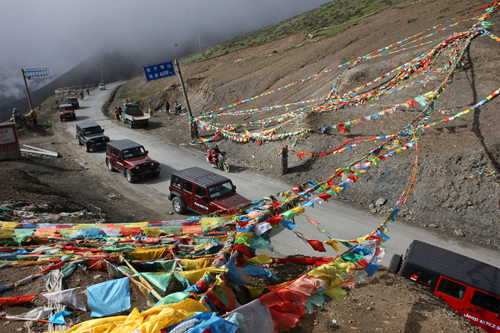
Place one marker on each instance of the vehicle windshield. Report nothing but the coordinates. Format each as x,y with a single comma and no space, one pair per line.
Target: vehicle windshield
92,130
66,108
134,152
69,100
220,190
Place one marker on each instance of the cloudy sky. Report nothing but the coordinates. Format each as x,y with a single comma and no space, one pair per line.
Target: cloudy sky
59,34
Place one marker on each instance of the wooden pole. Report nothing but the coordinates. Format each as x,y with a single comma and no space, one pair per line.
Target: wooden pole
193,128
284,160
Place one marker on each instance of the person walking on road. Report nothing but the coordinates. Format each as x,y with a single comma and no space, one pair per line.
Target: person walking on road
167,106
117,113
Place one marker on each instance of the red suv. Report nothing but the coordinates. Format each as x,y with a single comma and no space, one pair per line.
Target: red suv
469,286
67,112
202,191
131,159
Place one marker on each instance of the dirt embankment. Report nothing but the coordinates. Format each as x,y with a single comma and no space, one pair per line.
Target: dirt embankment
457,181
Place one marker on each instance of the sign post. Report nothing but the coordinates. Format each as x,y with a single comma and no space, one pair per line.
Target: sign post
166,69
9,143
33,73
159,71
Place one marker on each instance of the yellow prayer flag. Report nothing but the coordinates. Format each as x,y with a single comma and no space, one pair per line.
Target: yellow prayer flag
247,235
147,254
196,263
209,221
153,231
9,225
362,238
342,265
326,272
200,247
298,210
96,325
334,292
194,275
337,189
333,243
138,224
256,292
7,233
260,259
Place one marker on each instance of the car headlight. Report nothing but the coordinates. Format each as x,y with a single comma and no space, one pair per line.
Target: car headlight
152,164
137,168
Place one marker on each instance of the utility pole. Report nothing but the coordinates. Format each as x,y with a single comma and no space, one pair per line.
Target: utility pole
33,73
27,90
284,160
194,129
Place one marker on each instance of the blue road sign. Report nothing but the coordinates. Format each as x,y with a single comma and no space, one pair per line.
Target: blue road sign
36,73
159,71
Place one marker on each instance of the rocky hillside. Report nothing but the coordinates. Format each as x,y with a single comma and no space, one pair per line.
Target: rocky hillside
456,184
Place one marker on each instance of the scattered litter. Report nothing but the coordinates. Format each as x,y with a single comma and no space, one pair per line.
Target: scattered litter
39,151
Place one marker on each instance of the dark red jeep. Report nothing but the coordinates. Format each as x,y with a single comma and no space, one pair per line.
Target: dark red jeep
202,191
131,159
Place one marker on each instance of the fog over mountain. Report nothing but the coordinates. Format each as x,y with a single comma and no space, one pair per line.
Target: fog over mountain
61,34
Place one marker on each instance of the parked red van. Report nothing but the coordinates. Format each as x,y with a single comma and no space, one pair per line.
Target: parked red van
469,286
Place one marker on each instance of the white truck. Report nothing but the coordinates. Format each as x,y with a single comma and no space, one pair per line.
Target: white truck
133,115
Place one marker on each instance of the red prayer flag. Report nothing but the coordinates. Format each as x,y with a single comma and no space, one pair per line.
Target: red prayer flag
17,300
317,245
311,220
286,307
341,128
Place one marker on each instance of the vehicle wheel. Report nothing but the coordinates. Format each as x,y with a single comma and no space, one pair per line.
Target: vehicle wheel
129,176
178,205
87,148
131,124
156,174
395,264
110,167
225,166
61,118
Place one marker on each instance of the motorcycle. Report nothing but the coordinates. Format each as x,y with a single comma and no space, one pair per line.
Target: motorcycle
178,110
220,160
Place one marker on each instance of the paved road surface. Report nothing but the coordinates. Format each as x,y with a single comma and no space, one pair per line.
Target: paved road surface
338,220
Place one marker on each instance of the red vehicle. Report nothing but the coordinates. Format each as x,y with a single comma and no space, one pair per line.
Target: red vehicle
202,191
131,159
469,286
67,112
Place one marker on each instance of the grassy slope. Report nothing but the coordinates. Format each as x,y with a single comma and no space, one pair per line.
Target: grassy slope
328,19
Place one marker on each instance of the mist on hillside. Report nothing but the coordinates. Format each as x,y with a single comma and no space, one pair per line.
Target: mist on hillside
60,34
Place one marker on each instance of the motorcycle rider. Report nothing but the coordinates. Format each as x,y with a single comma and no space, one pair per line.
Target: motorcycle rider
213,154
177,108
